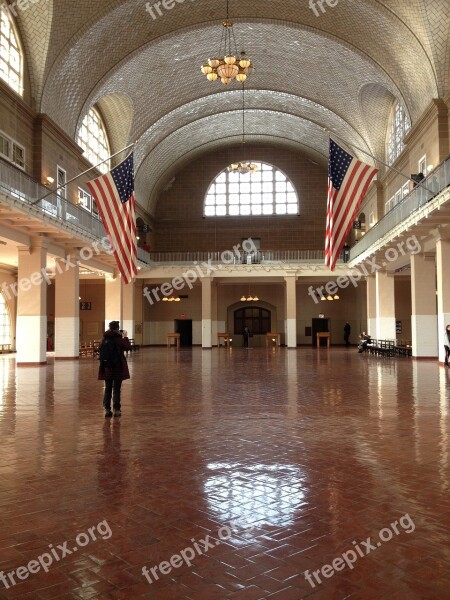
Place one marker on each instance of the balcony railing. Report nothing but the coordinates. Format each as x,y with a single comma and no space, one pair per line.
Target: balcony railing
21,186
242,258
436,182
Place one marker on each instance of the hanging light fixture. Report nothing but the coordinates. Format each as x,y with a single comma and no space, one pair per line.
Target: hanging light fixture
243,167
227,65
249,298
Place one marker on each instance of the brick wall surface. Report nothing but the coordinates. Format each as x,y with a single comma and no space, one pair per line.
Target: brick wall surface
180,225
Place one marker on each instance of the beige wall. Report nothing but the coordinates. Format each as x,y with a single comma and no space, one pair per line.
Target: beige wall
403,307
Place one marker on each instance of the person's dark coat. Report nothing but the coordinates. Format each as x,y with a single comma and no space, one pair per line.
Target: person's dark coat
120,372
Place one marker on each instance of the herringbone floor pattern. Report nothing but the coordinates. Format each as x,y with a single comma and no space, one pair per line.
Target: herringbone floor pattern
315,451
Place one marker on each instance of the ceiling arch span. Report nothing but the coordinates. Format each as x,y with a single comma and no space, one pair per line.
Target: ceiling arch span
211,132
316,50
202,149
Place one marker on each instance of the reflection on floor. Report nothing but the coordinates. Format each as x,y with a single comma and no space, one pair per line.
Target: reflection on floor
229,475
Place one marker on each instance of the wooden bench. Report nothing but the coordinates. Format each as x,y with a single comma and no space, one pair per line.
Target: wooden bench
324,335
389,348
272,337
86,349
225,337
173,336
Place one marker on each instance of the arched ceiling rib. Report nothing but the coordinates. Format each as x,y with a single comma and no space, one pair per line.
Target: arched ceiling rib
338,71
211,132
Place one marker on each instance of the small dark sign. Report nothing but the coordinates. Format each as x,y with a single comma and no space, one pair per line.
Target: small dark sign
356,224
85,306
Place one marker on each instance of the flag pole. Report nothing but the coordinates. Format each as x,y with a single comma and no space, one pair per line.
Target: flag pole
83,173
380,161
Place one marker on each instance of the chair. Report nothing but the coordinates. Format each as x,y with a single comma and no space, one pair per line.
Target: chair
133,344
96,348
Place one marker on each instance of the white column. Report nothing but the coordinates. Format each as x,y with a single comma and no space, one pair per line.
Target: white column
31,333
127,321
67,309
371,291
385,290
113,301
424,325
443,292
206,312
291,311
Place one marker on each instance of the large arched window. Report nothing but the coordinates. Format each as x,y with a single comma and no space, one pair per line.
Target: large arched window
11,59
94,141
266,192
5,322
399,125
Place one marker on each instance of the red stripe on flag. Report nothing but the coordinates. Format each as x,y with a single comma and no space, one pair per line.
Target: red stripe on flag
342,207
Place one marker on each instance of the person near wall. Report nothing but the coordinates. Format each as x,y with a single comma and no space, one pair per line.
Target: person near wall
447,345
114,375
365,340
347,331
246,335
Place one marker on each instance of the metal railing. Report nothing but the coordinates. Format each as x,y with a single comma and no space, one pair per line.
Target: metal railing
19,185
242,258
436,182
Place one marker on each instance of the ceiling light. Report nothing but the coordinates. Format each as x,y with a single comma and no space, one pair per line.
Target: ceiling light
227,65
243,167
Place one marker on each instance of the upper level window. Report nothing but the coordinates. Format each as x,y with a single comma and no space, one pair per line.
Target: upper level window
93,139
265,192
399,125
11,60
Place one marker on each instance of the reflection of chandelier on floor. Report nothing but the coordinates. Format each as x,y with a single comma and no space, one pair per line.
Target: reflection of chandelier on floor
227,65
243,167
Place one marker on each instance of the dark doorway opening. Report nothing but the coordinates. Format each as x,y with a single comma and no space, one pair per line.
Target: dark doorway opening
319,326
184,328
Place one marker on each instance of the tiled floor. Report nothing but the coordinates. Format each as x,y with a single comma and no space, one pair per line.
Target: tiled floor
311,453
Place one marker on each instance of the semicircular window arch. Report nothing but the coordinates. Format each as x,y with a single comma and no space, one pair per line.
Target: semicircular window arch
398,127
268,191
11,54
93,139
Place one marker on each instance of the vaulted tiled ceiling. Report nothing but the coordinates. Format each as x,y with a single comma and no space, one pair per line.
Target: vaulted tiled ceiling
340,70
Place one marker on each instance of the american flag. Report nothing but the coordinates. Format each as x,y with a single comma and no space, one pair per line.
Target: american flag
114,197
348,181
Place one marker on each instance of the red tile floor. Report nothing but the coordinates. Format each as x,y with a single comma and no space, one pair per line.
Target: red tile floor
310,452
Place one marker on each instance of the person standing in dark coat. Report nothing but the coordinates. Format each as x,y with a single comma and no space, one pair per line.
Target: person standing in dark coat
347,331
246,334
447,345
113,377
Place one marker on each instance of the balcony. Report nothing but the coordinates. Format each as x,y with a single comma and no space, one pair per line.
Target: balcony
418,201
266,257
26,190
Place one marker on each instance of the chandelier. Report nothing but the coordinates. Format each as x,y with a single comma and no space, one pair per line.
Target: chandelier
249,298
243,167
227,65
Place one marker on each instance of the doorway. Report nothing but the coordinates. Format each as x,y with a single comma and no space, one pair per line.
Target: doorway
184,328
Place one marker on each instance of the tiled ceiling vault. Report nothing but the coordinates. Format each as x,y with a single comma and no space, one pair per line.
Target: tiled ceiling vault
341,70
